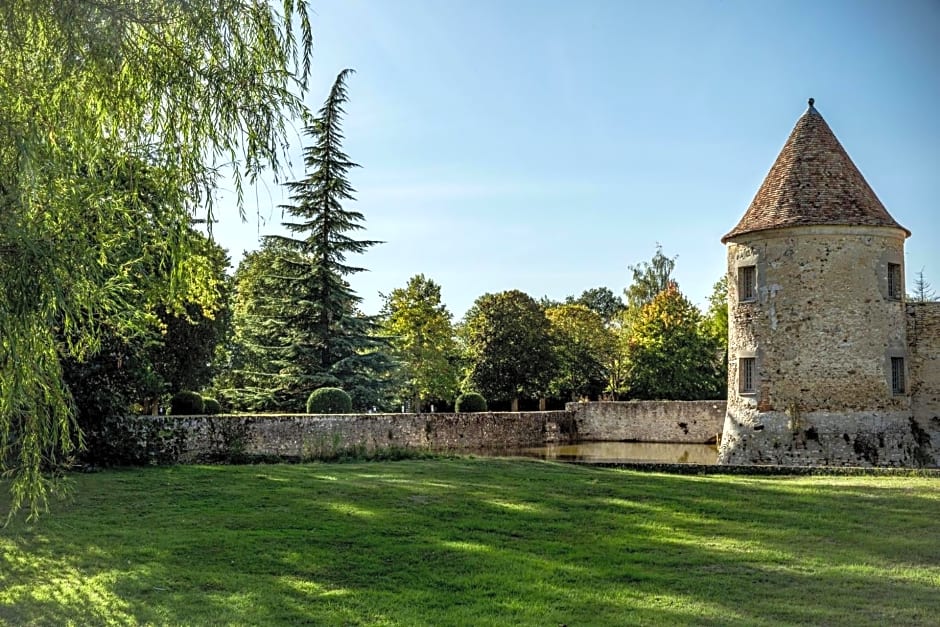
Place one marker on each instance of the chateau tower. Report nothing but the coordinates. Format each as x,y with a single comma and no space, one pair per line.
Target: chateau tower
818,367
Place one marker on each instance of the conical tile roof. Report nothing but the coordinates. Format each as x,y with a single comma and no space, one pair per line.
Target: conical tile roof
813,182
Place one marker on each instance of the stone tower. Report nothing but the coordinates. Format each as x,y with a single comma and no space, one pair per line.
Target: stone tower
818,364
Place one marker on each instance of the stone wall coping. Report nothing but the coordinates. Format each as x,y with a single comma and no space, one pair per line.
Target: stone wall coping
639,402
558,412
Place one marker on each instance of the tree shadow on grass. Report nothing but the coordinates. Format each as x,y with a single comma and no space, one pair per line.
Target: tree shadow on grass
475,542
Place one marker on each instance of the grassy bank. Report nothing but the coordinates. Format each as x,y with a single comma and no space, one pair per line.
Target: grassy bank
475,542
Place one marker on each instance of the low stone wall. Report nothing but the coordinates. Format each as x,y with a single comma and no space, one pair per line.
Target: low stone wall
649,421
171,439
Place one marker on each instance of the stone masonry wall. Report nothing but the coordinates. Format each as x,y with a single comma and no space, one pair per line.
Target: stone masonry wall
823,331
822,328
923,335
170,439
649,421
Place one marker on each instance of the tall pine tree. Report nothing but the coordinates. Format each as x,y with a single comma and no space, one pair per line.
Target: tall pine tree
323,338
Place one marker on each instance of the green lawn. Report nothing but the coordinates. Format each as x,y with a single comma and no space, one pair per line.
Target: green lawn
474,542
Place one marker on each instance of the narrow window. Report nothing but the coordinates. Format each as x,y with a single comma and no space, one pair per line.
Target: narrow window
746,375
897,375
747,283
894,281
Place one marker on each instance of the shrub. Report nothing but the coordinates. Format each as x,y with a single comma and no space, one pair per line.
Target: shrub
186,403
329,401
211,406
470,401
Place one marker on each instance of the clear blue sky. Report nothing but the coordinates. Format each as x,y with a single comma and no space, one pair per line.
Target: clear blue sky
547,145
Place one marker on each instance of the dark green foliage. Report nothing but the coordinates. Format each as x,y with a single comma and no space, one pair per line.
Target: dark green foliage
470,402
184,356
583,346
303,329
103,389
329,401
248,379
508,346
186,403
211,407
601,300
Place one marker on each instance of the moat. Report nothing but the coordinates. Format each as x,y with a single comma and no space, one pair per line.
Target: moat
654,452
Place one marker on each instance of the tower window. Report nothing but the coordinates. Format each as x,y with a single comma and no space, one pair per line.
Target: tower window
746,372
747,283
897,375
894,281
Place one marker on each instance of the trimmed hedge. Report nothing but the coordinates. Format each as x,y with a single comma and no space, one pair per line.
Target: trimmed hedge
187,403
470,402
211,406
329,401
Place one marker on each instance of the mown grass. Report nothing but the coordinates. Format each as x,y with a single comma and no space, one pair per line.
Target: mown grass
475,542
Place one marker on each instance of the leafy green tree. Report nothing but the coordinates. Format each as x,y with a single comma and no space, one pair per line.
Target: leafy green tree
583,347
509,347
246,378
671,355
317,336
617,366
419,331
649,279
601,300
89,90
716,317
184,356
716,327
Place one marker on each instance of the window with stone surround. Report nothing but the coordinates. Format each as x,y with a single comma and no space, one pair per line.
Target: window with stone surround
747,283
895,287
897,376
747,367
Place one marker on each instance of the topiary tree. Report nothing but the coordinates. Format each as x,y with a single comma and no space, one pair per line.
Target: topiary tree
186,403
470,402
211,406
329,401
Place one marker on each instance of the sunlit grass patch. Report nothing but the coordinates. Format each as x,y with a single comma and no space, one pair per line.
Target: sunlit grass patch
475,542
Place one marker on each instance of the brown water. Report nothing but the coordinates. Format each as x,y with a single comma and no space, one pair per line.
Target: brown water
627,452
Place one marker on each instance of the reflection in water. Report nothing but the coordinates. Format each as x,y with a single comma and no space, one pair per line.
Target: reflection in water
668,453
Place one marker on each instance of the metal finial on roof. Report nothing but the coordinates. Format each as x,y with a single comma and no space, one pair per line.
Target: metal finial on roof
811,101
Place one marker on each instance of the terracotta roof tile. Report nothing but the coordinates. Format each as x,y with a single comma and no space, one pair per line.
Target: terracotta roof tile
813,182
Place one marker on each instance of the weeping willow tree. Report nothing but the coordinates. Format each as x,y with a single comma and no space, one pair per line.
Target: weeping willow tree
116,118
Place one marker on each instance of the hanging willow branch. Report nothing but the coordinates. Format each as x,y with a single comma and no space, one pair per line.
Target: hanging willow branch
115,119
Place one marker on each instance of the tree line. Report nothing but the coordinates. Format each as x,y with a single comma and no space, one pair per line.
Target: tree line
296,326
289,324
